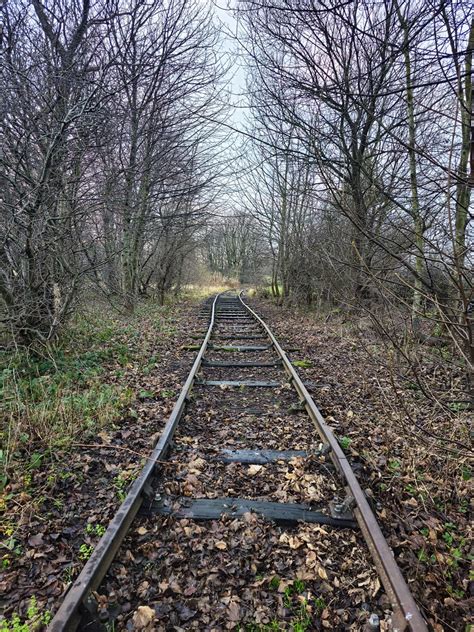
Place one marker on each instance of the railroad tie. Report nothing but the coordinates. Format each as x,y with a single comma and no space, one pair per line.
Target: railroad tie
239,384
260,457
239,348
264,457
236,336
218,363
232,336
214,508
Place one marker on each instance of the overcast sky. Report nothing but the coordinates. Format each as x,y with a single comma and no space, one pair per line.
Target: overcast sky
237,73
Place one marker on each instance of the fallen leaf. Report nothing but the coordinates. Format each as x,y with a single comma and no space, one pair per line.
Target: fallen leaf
322,573
36,540
190,590
184,613
233,611
294,542
197,464
143,617
375,586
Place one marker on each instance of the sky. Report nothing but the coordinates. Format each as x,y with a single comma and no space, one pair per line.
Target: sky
237,72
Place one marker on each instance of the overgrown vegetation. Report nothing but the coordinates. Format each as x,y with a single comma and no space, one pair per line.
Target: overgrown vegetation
76,387
35,619
412,445
69,436
302,607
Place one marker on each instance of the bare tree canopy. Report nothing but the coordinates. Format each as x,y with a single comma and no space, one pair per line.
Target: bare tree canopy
108,169
349,180
361,155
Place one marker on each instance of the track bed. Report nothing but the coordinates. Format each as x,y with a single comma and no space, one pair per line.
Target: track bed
245,522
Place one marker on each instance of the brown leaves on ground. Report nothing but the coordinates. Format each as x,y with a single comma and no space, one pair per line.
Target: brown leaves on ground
418,485
143,618
233,572
48,510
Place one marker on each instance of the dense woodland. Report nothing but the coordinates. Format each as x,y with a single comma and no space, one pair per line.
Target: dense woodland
347,184
318,154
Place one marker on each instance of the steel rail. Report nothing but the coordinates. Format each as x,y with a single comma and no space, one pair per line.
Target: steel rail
74,605
406,615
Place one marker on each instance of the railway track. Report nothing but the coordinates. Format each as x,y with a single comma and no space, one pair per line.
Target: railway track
241,378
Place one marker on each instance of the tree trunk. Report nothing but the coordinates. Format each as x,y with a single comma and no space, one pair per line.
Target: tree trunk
418,223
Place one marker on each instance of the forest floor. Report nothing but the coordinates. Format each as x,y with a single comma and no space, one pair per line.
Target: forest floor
77,424
421,486
81,420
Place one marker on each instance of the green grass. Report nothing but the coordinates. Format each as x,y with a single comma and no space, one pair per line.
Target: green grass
394,465
56,401
344,442
76,386
34,619
94,529
274,583
85,551
302,364
298,617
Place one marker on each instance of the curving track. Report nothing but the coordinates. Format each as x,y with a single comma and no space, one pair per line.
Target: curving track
241,373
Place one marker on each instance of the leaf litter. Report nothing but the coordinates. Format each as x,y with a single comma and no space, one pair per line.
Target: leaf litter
236,572
178,574
54,517
419,487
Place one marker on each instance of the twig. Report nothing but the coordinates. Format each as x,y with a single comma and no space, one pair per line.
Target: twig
118,447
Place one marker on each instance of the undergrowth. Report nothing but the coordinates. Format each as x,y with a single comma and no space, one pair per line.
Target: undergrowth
73,388
199,292
400,409
300,611
34,619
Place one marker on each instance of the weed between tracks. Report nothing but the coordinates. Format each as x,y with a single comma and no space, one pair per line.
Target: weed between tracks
298,602
34,619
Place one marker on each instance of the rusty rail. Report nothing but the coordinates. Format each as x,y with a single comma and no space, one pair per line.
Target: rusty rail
406,615
74,606
74,610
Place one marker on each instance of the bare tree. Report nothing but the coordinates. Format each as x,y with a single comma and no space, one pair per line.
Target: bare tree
51,87
165,72
110,151
367,90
